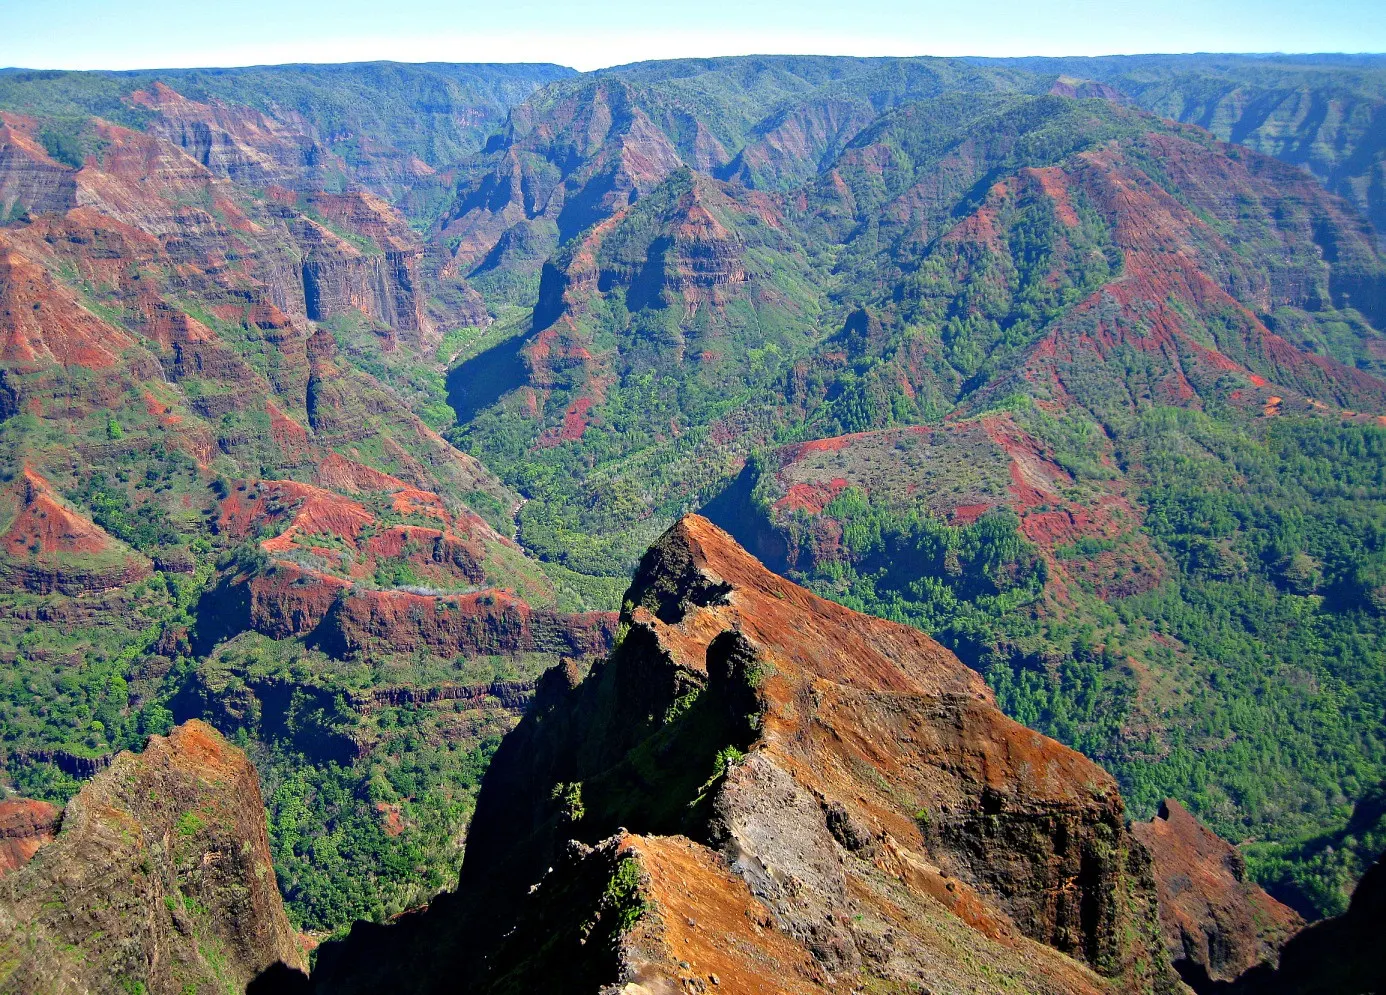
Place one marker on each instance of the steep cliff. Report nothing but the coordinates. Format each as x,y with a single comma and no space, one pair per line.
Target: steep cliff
833,791
160,881
1218,925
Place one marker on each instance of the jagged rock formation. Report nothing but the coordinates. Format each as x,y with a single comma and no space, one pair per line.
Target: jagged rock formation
160,881
25,826
1218,925
836,791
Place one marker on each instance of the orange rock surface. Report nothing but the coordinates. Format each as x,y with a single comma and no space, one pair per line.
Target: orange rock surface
1217,923
25,826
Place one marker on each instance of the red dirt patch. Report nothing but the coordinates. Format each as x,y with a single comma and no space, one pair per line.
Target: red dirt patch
41,321
314,512
25,826
1054,182
812,498
966,514
391,819
342,474
45,526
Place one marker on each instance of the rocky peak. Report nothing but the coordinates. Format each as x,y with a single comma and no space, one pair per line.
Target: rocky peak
173,841
755,763
697,584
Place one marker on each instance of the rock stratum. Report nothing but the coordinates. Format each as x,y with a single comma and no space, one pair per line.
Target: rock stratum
160,881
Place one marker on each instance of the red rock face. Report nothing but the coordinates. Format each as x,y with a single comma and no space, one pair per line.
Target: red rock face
961,470
160,846
25,826
146,189
288,601
623,154
1217,924
54,528
1177,264
800,139
112,286
880,787
385,284
48,547
482,624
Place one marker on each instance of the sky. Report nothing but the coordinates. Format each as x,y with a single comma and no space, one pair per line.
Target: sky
132,34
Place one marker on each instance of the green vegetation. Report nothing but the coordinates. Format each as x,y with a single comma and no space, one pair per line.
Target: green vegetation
1317,874
355,834
622,896
1250,684
365,844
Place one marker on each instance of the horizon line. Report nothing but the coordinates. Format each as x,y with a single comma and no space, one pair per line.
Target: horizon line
695,58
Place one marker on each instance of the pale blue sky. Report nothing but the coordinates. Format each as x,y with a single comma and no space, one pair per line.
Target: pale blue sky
127,34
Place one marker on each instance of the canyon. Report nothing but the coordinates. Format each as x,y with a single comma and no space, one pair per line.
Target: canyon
339,405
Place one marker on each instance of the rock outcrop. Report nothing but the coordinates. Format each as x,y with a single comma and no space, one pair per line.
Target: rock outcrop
817,795
30,179
25,826
1217,923
161,881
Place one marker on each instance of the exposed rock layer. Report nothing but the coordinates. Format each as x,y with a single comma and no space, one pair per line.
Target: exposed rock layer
835,791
